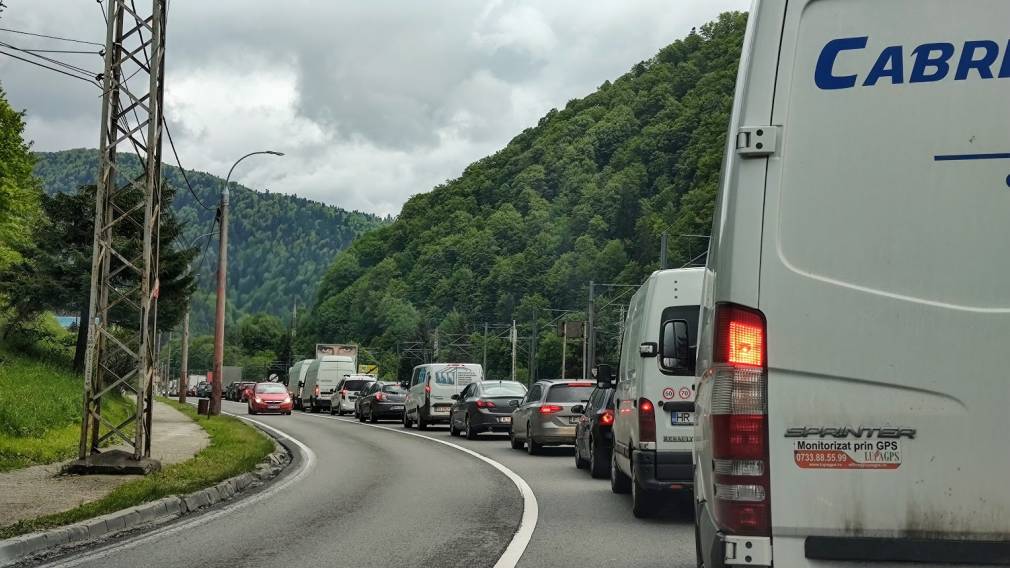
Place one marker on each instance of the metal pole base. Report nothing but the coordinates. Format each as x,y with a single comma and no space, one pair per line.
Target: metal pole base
112,462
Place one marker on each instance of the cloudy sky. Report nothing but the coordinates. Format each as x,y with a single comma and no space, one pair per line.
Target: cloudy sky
372,100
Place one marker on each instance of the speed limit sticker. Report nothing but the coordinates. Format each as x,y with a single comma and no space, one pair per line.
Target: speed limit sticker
669,393
685,393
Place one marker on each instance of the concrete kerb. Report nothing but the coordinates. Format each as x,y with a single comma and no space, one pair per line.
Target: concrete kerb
16,549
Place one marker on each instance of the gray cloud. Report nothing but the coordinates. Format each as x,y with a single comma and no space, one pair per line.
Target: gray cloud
372,101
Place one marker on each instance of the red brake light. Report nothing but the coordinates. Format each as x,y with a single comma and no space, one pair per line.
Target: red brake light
343,392
316,391
380,396
646,420
581,385
740,421
549,409
427,388
485,404
607,418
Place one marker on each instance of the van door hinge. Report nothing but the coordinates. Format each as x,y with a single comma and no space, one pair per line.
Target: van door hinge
757,141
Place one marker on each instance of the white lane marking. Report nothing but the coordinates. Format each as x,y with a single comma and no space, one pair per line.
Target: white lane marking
531,510
308,464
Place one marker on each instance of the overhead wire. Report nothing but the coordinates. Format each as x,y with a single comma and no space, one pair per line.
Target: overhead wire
65,65
51,37
90,81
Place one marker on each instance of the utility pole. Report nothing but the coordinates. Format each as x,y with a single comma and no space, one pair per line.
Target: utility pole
564,347
222,282
585,359
184,358
515,340
484,363
590,334
533,348
168,363
120,278
663,250
435,347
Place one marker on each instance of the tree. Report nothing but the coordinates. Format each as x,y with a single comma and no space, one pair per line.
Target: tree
261,332
19,190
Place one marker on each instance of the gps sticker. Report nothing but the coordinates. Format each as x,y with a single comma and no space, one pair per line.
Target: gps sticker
847,454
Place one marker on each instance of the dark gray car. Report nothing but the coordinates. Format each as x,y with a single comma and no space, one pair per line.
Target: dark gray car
546,417
485,406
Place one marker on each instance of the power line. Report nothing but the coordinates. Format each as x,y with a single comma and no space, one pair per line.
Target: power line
62,51
183,170
60,71
102,45
50,60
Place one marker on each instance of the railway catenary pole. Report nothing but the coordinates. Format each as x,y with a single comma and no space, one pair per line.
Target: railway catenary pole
590,339
184,357
123,279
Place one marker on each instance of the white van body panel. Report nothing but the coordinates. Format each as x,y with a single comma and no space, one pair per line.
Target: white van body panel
296,377
325,373
443,380
884,211
640,376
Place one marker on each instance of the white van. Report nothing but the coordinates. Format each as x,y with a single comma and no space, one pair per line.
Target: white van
654,423
852,398
429,398
296,380
322,378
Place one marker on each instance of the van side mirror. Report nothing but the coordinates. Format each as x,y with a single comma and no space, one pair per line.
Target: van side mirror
675,346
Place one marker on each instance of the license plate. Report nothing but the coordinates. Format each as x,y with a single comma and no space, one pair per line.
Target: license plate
682,418
274,405
573,419
505,420
396,408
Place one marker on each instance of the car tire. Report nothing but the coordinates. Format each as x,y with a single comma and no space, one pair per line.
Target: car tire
452,427
288,413
360,417
332,412
579,462
314,409
468,430
516,443
406,419
249,410
532,447
619,483
372,418
597,461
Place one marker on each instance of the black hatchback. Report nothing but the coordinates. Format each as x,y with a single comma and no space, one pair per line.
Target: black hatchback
381,400
594,437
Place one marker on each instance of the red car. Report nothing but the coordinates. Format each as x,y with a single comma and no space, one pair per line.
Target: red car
269,397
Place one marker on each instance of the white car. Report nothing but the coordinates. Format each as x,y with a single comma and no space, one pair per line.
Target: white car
432,386
347,392
654,399
852,396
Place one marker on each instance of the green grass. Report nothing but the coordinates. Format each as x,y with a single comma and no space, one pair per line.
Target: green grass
40,410
235,448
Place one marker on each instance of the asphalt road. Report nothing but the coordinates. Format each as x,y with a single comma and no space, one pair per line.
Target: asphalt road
371,497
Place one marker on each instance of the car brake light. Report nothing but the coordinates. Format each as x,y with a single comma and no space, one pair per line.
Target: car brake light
607,418
581,385
380,396
549,409
343,393
485,404
315,392
427,388
646,421
740,421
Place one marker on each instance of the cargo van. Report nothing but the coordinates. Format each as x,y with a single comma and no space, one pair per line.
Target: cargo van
321,380
296,380
429,396
852,399
654,423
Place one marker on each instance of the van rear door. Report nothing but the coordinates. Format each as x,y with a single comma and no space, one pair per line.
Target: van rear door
885,281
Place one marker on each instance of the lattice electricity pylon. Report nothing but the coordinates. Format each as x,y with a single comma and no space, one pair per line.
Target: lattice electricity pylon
124,268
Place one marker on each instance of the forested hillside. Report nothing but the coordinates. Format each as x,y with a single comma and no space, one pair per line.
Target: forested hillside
280,245
584,195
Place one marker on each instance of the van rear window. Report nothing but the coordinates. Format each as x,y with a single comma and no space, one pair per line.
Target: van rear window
355,384
565,393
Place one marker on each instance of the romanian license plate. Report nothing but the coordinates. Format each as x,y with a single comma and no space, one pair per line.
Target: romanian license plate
682,418
396,408
505,419
273,406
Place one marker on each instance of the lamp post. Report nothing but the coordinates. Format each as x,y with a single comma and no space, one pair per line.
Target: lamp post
222,280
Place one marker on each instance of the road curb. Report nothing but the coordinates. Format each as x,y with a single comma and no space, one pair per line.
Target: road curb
18,548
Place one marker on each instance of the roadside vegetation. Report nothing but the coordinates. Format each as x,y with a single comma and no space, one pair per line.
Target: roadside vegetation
41,399
235,448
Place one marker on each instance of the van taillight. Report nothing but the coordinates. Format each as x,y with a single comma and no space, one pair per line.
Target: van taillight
646,421
316,391
739,378
427,388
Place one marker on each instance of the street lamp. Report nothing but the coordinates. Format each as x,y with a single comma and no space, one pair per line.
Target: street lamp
222,280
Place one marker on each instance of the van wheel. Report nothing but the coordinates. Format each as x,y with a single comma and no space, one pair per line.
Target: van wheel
597,461
619,483
315,409
516,443
406,420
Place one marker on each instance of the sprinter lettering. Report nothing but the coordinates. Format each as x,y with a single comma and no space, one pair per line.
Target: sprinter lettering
925,63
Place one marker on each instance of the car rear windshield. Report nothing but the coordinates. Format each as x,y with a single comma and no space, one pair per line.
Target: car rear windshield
355,384
393,389
271,388
504,389
566,393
